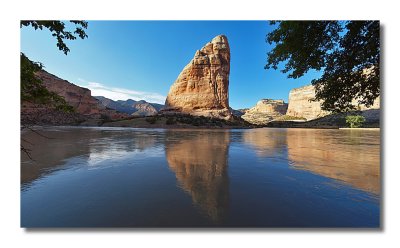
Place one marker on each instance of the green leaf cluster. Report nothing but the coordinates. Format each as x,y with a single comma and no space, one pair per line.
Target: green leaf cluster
59,31
347,53
355,121
33,90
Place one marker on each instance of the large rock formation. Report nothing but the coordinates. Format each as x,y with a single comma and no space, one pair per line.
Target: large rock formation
265,111
202,86
301,104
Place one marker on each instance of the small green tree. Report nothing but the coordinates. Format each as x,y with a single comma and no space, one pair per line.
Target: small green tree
355,120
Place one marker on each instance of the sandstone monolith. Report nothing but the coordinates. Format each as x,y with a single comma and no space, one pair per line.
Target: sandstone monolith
202,86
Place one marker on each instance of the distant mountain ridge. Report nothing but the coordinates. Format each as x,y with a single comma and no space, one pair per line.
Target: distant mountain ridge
131,107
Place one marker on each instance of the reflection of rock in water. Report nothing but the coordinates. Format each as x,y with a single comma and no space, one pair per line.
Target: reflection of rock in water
351,156
51,146
266,142
199,160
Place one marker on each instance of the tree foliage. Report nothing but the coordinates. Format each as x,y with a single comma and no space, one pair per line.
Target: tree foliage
347,53
355,121
58,30
32,89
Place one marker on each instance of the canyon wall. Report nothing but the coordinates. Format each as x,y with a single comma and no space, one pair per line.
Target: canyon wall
78,97
85,106
301,104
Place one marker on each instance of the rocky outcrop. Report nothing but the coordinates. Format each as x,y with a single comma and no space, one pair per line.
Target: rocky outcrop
85,106
78,97
131,107
202,86
301,104
144,109
265,111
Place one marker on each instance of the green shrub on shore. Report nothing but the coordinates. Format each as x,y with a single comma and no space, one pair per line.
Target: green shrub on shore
355,121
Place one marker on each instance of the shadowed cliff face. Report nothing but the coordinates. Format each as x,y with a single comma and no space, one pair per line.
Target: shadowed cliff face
200,164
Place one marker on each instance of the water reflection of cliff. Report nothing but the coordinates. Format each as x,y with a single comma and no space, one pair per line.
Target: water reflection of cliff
50,147
266,142
200,160
350,156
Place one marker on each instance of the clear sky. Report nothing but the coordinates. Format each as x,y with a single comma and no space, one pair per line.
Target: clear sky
142,59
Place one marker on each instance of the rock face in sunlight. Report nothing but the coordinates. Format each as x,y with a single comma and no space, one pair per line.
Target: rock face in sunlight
202,86
78,97
301,104
86,107
265,111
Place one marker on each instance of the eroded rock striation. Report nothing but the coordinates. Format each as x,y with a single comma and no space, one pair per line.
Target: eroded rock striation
265,111
85,106
202,86
301,104
78,97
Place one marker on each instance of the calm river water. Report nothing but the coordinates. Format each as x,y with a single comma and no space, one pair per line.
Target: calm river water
123,177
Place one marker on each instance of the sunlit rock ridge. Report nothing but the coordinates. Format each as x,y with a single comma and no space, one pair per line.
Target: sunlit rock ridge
265,111
301,104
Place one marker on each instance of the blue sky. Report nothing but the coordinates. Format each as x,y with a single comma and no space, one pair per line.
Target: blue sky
142,59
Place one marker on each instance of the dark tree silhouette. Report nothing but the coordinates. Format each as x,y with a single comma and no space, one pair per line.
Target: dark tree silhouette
58,30
347,53
32,88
